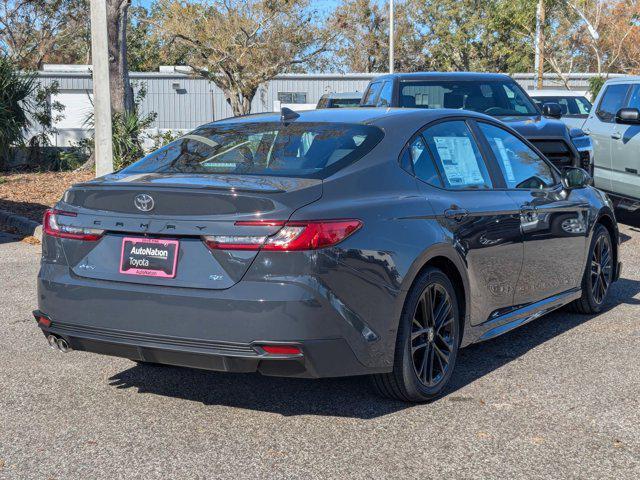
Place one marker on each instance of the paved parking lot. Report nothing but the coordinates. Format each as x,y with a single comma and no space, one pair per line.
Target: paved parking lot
558,398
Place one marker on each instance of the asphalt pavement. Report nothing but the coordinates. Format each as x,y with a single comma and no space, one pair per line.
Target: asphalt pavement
558,398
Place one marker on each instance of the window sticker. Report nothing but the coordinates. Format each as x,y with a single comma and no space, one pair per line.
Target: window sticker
459,161
504,156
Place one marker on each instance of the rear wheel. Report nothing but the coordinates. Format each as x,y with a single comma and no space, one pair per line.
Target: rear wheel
598,273
427,342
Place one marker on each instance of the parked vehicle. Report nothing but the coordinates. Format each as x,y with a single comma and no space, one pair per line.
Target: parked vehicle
493,94
614,126
574,105
325,243
340,100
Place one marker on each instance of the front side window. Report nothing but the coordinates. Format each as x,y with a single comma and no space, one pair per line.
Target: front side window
371,96
520,165
612,101
457,155
298,149
497,98
634,99
384,99
577,106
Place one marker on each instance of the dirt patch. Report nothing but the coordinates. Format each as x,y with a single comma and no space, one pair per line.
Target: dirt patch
30,194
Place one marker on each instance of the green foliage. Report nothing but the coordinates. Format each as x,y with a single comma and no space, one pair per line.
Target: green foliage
127,133
24,107
146,50
595,85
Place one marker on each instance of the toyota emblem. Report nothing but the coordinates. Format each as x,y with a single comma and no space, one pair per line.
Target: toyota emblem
144,202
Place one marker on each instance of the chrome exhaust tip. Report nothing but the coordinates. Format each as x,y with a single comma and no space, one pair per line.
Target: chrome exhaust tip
53,341
62,345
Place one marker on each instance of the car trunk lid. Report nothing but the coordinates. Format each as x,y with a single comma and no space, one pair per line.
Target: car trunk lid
178,207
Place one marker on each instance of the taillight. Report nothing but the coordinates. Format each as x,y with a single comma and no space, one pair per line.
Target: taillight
53,225
308,235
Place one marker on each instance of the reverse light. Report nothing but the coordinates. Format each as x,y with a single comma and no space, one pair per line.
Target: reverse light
54,226
293,236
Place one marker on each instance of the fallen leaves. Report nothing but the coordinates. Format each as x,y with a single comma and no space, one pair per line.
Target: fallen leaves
30,194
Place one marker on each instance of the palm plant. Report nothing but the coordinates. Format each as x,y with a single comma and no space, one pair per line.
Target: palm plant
17,91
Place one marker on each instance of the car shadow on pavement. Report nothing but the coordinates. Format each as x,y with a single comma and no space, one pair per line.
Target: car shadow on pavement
352,397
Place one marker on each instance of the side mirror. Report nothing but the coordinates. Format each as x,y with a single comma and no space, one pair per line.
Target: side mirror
552,109
628,115
574,177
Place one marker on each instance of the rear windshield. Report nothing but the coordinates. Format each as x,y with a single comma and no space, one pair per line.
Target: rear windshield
345,102
298,149
492,98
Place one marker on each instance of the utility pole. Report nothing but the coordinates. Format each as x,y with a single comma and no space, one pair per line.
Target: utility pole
391,59
539,43
101,96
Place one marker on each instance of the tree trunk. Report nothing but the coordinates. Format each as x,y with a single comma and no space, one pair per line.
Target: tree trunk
120,86
240,104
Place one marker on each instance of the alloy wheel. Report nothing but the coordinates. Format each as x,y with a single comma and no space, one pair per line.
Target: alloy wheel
601,268
432,336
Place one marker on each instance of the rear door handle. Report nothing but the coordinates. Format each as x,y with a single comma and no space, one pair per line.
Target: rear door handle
456,213
616,135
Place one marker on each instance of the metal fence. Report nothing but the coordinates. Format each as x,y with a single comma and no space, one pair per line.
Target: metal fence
182,102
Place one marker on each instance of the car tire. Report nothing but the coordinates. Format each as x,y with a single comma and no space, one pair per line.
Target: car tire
598,273
423,341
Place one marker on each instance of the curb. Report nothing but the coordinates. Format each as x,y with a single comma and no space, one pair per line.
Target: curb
23,226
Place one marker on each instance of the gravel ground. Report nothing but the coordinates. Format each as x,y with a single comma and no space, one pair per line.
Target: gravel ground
558,398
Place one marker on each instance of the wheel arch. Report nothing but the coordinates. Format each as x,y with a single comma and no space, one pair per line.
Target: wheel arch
606,218
443,258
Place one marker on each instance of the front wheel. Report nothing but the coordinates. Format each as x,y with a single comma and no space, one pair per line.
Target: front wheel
427,342
598,273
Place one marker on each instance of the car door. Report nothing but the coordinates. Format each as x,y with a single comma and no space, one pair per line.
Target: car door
481,223
600,127
553,222
625,153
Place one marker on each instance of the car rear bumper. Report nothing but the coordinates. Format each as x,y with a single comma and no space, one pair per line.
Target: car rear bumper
318,358
219,330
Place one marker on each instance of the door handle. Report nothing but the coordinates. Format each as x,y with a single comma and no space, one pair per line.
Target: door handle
616,135
455,213
586,130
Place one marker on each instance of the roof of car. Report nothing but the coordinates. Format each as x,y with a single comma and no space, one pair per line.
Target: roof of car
555,93
355,95
362,115
626,79
460,76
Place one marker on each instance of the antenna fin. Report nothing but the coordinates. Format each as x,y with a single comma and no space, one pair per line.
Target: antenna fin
287,115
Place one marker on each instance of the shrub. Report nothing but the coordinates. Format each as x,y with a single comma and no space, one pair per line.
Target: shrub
24,104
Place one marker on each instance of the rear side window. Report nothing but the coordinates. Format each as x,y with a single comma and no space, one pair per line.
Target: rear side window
302,149
520,165
371,96
612,101
417,159
457,155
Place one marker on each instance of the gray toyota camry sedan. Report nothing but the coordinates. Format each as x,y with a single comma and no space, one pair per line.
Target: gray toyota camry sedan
326,243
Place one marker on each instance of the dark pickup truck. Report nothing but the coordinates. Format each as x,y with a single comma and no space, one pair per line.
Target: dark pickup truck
492,94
